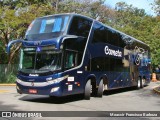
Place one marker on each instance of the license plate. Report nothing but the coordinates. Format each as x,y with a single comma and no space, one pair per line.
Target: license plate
33,91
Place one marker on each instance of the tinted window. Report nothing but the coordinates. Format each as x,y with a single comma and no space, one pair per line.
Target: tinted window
70,59
106,35
74,49
99,34
80,26
107,64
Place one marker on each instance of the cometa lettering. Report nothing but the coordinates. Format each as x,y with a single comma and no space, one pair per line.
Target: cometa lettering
116,53
34,75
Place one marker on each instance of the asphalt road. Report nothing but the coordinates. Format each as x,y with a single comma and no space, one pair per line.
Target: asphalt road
118,100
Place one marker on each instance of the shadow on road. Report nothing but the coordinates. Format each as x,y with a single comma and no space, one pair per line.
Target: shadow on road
10,108
67,99
121,90
52,100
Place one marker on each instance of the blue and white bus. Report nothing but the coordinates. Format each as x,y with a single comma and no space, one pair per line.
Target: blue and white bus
66,54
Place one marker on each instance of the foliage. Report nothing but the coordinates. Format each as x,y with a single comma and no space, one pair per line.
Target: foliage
156,7
138,24
16,15
8,73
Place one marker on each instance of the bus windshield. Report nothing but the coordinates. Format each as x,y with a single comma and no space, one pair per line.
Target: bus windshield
33,61
47,27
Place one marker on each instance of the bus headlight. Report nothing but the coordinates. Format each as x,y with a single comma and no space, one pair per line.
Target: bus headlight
54,89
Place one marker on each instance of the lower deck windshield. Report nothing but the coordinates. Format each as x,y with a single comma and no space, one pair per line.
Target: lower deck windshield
32,61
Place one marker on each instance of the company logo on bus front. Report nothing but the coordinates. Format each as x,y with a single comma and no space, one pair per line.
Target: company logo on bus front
34,75
109,51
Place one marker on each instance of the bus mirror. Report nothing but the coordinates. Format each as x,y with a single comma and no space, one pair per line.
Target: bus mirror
10,44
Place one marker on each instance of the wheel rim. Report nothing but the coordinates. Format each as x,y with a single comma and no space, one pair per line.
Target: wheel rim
91,89
139,83
143,81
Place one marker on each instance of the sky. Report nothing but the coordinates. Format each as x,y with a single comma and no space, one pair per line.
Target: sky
141,4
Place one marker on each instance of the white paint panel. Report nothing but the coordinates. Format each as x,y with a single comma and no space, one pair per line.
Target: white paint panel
70,87
79,71
70,79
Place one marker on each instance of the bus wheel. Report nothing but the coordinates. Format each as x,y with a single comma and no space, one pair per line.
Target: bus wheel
87,91
142,83
100,89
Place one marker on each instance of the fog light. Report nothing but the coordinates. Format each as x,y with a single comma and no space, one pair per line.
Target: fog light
54,89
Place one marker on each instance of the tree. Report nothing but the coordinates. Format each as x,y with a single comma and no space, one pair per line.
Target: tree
13,24
16,15
156,7
137,23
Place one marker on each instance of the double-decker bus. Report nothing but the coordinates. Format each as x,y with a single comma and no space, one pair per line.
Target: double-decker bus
66,54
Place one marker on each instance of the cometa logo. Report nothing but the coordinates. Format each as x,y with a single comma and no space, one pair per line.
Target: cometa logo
116,53
34,75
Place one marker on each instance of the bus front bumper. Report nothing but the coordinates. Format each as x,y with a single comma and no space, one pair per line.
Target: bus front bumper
51,90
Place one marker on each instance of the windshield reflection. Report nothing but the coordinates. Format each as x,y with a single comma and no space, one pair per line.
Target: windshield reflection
40,61
47,27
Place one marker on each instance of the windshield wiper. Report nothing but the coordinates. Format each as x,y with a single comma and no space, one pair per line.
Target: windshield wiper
46,70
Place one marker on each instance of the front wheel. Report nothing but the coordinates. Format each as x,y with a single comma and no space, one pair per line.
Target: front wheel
87,91
100,89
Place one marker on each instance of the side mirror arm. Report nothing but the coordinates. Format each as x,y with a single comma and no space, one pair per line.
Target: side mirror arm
10,44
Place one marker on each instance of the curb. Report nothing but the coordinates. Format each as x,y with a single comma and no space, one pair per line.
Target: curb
157,89
7,84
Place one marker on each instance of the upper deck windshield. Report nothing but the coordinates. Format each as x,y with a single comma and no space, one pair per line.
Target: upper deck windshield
34,61
47,27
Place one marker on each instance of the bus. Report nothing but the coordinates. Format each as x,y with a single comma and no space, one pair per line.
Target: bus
66,54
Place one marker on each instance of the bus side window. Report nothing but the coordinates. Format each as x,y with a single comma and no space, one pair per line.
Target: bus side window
70,60
100,34
80,26
113,37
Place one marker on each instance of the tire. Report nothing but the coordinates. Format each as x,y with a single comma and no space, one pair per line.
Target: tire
100,89
87,91
142,83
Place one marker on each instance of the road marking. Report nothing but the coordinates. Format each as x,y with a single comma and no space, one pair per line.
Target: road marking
4,91
7,84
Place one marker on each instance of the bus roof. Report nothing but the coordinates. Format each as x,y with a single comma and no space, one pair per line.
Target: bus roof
75,14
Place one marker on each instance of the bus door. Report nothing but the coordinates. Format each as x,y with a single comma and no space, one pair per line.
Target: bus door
70,63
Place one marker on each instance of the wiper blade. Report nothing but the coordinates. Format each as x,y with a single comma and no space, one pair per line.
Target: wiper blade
47,70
